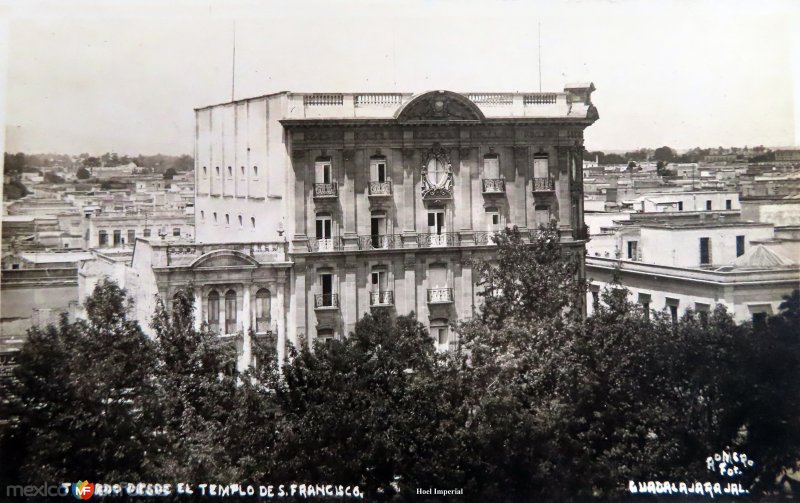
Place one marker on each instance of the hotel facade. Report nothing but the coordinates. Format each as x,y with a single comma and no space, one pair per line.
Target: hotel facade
313,209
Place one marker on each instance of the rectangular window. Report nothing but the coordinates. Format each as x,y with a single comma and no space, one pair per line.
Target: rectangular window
632,250
147,233
705,251
680,205
491,167
103,238
437,276
176,232
542,215
378,231
673,313
378,281
323,227
436,222
324,172
728,204
230,313
213,312
739,246
492,219
326,283
708,205
117,238
541,167
131,236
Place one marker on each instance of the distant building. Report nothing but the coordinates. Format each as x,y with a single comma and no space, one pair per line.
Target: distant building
658,202
677,262
787,155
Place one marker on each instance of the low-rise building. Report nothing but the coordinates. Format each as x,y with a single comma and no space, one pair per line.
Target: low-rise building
677,262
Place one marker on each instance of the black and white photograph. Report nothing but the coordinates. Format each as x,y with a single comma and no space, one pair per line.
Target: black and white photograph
400,250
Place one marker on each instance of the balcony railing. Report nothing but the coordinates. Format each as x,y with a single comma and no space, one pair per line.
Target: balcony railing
381,298
440,295
433,240
377,189
380,242
493,185
326,190
545,184
322,245
485,238
326,301
535,234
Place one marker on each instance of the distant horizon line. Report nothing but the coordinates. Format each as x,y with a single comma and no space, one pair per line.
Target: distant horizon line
587,149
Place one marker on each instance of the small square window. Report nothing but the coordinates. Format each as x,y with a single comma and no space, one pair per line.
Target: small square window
176,232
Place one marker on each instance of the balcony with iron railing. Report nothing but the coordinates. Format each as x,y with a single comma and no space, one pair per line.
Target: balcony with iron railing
324,245
544,184
434,240
380,242
381,298
326,190
326,301
440,295
485,238
493,185
380,189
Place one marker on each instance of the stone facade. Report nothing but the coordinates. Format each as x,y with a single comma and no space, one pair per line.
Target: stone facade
377,201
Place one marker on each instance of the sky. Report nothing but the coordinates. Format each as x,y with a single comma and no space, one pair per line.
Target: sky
125,76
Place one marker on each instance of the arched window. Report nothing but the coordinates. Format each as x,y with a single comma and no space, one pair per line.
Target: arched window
217,170
227,219
230,171
215,217
253,222
205,171
202,215
242,170
213,311
262,311
230,312
240,221
255,171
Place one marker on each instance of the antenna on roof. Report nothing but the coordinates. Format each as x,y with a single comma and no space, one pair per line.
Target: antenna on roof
233,62
540,56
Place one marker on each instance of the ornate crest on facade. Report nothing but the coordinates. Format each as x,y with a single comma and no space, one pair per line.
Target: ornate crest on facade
437,175
440,106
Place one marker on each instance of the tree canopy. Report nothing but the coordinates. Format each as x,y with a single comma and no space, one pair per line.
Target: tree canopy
536,402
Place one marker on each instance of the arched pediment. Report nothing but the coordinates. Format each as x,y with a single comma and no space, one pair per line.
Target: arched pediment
439,106
224,258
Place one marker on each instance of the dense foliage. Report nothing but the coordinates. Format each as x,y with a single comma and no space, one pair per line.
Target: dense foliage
537,403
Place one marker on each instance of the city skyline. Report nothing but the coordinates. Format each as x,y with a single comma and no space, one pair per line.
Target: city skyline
125,78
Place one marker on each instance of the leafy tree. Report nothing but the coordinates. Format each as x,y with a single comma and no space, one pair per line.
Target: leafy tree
520,379
169,173
664,153
14,190
91,162
83,174
14,163
81,397
371,410
196,386
51,177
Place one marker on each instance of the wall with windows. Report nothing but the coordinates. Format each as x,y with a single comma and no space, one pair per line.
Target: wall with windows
240,171
681,247
744,294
